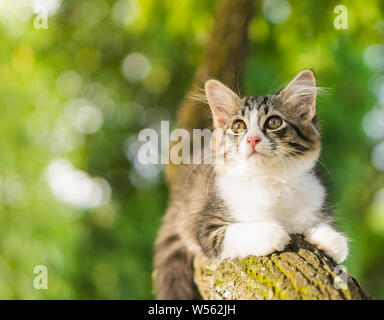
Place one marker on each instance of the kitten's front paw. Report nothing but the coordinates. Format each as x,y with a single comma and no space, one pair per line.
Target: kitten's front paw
258,239
329,240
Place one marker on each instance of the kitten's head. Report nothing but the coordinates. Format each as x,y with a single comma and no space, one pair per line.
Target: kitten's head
276,134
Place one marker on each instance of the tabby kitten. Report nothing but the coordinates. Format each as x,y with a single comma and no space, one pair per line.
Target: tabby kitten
263,189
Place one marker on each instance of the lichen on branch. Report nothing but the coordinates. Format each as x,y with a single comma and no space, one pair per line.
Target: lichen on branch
300,272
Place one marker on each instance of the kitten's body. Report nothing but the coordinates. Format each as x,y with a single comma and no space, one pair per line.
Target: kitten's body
251,202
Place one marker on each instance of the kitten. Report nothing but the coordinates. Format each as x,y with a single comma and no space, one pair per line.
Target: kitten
263,189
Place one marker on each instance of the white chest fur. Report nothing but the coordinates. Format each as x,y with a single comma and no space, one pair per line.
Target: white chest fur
294,205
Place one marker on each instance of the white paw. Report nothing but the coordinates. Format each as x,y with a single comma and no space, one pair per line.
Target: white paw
258,239
332,242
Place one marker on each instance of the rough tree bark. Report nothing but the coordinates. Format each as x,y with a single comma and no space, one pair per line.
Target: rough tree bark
301,271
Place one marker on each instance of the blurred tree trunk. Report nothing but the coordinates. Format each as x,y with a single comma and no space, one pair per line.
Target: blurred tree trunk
223,59
301,271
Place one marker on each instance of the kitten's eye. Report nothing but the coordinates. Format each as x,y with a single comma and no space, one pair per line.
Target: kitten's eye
273,122
239,127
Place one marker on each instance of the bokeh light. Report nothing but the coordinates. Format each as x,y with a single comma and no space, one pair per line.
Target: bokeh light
374,57
125,12
76,187
276,11
136,67
88,119
373,123
378,156
69,83
50,5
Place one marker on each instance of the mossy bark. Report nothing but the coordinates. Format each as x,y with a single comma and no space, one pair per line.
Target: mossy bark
300,272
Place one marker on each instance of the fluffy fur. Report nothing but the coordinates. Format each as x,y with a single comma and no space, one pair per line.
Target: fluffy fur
253,196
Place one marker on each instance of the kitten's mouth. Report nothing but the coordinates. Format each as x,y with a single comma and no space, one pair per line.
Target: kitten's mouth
254,153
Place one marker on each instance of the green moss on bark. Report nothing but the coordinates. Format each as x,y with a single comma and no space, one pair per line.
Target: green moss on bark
301,272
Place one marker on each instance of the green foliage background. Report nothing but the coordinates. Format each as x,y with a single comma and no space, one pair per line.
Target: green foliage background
106,251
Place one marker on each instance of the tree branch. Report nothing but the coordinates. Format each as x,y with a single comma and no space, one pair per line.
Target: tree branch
300,272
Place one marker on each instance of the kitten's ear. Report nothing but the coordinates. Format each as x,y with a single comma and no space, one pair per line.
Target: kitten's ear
299,96
222,100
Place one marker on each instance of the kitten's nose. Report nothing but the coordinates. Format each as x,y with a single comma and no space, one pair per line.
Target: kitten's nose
253,140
